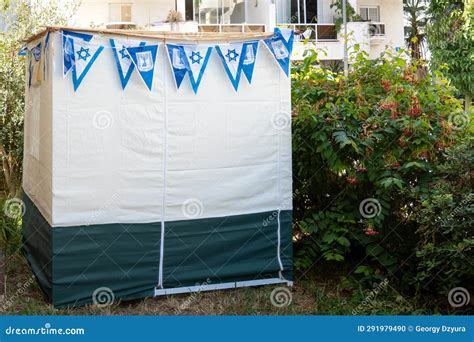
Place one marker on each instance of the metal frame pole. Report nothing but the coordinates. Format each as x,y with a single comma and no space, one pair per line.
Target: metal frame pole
344,18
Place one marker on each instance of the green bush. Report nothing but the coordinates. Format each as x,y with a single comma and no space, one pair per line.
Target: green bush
22,20
445,219
10,225
365,151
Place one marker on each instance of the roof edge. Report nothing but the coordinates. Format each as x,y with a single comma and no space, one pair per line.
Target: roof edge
164,36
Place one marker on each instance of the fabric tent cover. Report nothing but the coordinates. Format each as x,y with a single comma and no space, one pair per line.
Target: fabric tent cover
147,191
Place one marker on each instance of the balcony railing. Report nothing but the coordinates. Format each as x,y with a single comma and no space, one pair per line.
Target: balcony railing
376,29
313,32
327,32
231,28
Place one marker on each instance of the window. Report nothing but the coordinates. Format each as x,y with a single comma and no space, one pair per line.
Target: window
120,12
370,13
219,12
297,11
188,10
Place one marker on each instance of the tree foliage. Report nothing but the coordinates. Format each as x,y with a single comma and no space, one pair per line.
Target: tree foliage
22,19
416,17
351,14
451,42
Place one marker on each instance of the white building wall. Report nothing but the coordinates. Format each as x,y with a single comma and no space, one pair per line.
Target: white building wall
391,14
261,12
327,14
144,12
334,50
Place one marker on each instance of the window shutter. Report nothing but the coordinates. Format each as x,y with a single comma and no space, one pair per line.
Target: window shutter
373,14
114,12
126,13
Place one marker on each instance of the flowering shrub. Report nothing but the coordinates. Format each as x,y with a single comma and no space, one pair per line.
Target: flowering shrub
360,143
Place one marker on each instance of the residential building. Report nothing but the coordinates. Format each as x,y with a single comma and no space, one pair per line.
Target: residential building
381,22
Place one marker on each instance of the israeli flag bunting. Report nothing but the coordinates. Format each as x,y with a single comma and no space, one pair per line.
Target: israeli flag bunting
178,61
238,58
251,49
123,60
34,59
191,60
45,53
79,55
144,58
23,51
281,47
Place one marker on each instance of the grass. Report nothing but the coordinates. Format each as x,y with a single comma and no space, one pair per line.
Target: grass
324,290
315,295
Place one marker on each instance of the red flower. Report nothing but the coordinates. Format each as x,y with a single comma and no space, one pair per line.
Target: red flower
424,154
386,85
352,180
414,111
371,231
389,105
395,165
407,76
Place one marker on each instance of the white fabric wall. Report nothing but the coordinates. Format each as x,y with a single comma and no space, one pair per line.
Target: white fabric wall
37,157
224,151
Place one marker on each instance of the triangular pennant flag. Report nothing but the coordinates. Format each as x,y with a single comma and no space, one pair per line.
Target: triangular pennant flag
232,57
178,61
281,47
238,57
248,64
79,55
286,33
197,57
23,51
68,48
123,60
35,55
144,58
45,53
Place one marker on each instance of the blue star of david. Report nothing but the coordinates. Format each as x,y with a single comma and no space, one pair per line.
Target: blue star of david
232,55
196,57
83,53
124,52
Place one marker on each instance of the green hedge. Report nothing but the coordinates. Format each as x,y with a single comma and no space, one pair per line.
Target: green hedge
370,153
